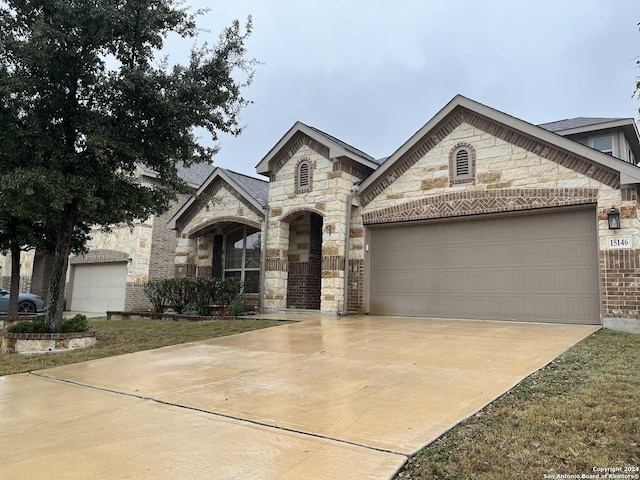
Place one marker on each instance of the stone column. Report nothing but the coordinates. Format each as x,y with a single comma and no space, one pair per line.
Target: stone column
277,263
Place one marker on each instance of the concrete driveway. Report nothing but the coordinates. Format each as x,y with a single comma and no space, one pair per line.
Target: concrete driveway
326,398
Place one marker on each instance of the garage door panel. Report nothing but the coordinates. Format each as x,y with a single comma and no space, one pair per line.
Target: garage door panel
529,268
99,287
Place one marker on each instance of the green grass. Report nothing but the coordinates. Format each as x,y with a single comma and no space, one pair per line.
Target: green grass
115,337
580,412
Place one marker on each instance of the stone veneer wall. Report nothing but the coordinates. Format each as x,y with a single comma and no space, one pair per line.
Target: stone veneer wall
220,203
328,197
513,173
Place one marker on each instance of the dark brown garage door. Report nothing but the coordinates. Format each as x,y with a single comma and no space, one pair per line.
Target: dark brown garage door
537,267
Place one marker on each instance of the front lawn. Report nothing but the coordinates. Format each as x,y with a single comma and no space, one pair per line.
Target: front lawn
115,337
579,414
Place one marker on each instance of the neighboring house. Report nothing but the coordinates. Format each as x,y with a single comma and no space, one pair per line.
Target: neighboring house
111,275
477,215
617,137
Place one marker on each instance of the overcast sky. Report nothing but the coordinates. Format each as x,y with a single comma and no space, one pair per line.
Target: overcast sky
373,72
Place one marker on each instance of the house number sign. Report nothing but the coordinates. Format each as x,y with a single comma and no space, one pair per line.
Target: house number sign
618,243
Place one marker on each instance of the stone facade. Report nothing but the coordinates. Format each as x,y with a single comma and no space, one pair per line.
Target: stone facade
314,236
220,205
513,173
148,248
326,204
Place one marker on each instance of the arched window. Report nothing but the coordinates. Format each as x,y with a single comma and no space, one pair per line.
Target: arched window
462,165
303,177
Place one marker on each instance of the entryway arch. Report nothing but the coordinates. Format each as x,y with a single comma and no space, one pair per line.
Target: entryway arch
304,277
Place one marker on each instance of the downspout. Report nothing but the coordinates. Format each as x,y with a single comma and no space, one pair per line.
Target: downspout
263,266
347,236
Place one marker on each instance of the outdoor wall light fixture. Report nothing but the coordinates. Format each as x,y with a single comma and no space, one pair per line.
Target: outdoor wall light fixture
613,216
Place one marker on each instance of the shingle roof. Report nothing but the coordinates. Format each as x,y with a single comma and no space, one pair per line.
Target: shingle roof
258,189
345,145
578,122
196,173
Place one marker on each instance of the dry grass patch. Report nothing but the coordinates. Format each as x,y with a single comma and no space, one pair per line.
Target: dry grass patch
580,412
116,337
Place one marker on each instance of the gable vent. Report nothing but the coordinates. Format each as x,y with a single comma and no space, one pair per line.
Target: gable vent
304,176
462,163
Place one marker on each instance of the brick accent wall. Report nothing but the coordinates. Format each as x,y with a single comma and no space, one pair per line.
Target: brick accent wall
630,195
304,279
277,265
185,270
303,287
204,272
42,265
620,283
134,298
479,202
355,291
163,244
332,262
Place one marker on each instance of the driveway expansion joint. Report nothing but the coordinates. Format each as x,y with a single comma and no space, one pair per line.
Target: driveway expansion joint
221,415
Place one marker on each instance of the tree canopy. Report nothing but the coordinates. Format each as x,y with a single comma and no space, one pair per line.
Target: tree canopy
88,98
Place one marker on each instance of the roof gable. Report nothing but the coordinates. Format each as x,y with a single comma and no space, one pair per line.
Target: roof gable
590,162
301,134
252,191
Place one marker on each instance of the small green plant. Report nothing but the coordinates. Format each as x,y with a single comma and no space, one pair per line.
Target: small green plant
78,323
237,307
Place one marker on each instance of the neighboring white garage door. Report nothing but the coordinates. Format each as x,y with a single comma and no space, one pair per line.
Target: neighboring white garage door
536,267
99,287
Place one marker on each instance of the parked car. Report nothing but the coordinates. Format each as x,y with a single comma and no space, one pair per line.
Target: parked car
27,302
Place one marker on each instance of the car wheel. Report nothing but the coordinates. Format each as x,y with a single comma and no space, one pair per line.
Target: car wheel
26,307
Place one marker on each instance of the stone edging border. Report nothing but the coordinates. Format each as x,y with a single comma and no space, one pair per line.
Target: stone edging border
48,336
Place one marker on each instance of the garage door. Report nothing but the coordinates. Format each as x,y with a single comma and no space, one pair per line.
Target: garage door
537,267
99,288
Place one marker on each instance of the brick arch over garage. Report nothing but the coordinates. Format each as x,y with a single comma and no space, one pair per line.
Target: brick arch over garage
203,227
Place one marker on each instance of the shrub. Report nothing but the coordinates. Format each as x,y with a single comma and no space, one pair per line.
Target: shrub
78,323
237,307
196,310
156,292
228,290
192,296
35,325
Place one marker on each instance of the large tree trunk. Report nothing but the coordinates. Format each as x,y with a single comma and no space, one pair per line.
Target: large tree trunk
15,279
57,282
